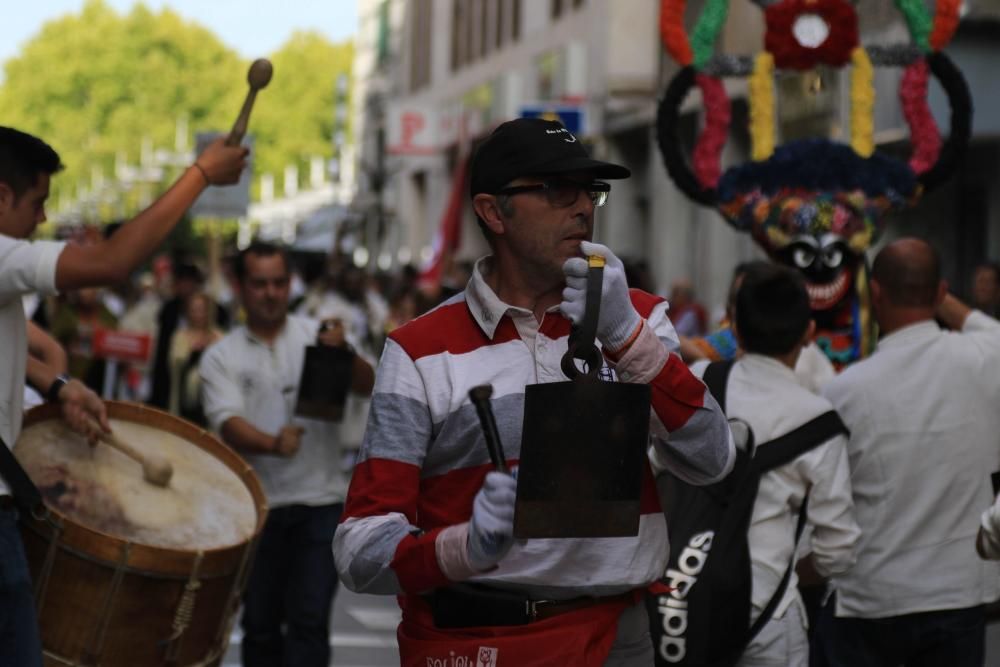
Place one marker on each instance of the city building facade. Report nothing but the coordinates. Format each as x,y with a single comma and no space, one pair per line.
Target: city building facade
433,76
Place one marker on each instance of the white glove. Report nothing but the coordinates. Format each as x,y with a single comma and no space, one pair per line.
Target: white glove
491,530
618,319
990,532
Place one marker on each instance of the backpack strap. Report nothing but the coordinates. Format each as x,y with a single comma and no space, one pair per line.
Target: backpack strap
26,494
772,604
785,449
774,454
716,377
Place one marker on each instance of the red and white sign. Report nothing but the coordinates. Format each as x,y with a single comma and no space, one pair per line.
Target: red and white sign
419,131
125,346
411,131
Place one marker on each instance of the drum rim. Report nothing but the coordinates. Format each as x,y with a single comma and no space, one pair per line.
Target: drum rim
114,550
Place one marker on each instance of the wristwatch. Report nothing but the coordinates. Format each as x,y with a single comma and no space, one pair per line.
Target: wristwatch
52,395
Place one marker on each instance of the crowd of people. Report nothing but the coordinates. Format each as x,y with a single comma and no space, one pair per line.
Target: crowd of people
894,565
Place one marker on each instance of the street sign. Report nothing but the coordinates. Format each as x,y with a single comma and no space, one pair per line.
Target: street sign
411,130
573,117
230,201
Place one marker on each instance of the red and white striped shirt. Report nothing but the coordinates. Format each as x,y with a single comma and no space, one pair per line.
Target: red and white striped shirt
423,458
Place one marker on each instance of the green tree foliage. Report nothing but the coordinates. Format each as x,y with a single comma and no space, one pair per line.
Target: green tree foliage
294,117
98,83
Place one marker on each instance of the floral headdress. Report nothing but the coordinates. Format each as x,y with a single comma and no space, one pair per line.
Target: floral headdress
815,200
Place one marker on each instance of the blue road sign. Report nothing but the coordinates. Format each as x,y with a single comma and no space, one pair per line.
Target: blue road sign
570,116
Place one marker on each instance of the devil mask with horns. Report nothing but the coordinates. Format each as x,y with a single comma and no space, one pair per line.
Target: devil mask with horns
814,204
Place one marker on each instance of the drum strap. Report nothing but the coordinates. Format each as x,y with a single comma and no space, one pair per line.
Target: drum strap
26,494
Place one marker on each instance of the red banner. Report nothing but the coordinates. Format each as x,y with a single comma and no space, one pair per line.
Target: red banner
449,234
126,346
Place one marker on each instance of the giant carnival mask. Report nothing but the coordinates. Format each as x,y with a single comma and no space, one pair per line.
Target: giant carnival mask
814,204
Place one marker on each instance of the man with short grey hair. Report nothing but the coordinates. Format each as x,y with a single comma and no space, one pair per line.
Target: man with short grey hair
429,519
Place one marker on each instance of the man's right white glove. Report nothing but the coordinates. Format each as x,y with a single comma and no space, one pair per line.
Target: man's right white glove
618,319
491,530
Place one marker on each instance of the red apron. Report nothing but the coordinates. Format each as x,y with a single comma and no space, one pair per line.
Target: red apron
583,638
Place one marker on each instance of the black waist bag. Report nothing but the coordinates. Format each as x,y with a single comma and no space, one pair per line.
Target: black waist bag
704,619
473,605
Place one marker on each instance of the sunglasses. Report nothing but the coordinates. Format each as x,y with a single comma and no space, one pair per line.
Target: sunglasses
563,193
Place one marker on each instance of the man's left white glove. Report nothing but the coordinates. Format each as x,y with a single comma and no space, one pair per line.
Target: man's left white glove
618,319
491,528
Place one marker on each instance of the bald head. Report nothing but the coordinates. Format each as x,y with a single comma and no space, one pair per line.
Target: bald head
908,272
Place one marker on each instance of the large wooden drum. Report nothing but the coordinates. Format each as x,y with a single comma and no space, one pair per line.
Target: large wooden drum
125,572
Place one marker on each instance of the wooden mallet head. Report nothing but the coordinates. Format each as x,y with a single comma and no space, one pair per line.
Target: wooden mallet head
258,76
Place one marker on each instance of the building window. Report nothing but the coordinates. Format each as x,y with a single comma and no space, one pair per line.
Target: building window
487,11
560,7
382,35
420,44
480,27
458,9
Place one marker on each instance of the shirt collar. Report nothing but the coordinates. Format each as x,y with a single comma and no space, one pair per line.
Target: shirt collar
910,333
763,364
251,337
485,306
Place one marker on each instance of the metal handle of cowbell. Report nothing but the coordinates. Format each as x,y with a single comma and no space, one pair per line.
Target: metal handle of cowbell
581,338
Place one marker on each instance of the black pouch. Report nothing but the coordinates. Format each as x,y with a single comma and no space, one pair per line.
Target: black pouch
473,605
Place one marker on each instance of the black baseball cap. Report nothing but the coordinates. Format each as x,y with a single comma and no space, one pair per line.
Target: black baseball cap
532,147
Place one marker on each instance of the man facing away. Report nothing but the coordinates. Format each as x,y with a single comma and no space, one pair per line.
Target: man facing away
249,386
26,167
426,511
773,324
922,412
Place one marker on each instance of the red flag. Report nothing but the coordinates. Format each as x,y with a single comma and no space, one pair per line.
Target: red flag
449,235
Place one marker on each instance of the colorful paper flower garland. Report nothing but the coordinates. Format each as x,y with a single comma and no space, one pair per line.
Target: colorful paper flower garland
814,191
701,68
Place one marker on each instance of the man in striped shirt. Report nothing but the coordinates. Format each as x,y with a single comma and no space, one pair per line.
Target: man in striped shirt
424,511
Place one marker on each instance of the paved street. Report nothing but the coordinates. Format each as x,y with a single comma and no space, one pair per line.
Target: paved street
363,633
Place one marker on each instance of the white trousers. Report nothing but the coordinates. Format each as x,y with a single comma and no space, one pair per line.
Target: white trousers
782,642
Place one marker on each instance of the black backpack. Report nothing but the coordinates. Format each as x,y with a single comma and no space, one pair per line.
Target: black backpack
700,610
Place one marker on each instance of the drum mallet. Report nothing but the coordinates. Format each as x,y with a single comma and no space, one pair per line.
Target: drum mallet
258,76
155,470
480,397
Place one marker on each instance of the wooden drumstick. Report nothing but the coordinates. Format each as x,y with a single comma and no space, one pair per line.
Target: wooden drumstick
155,470
258,76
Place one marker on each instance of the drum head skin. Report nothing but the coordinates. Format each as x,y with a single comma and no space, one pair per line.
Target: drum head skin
205,505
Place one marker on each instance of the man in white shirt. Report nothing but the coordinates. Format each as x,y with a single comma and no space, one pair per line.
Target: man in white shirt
250,380
26,166
773,324
922,411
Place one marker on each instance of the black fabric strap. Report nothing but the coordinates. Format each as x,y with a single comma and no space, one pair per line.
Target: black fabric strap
787,448
716,377
772,604
25,493
774,454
